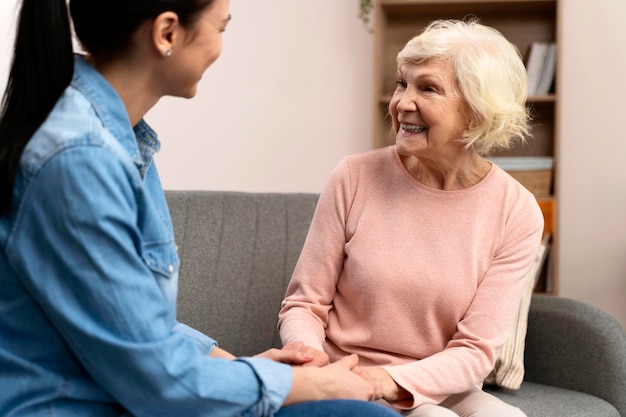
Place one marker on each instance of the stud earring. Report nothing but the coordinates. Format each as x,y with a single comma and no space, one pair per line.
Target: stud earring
168,52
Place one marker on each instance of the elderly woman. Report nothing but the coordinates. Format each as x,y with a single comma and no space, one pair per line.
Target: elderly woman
417,253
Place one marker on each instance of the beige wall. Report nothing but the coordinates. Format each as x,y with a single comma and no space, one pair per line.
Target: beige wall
288,98
291,95
592,163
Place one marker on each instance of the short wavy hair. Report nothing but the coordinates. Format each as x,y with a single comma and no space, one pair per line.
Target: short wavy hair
490,74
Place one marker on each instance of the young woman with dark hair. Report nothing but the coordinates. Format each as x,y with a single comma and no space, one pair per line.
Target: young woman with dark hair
88,263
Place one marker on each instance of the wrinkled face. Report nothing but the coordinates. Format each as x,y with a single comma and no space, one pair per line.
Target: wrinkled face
427,109
201,48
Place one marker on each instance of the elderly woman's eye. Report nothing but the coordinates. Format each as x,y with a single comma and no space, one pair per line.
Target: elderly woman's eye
400,84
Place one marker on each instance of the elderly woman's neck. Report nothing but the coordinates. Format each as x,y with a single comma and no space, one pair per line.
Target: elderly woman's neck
457,174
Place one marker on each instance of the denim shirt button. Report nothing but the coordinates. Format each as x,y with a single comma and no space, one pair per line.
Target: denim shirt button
170,268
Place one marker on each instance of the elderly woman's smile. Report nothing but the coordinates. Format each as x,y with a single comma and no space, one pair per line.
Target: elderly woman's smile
412,128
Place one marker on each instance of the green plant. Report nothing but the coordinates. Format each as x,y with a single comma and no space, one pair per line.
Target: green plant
365,11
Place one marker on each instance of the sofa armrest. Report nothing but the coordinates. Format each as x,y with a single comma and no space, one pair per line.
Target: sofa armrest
573,345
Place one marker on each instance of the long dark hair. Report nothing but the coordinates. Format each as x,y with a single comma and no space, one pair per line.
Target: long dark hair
43,62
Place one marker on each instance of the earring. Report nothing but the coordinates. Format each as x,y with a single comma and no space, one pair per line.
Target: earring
168,52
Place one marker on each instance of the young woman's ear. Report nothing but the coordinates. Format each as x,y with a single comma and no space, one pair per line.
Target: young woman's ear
165,33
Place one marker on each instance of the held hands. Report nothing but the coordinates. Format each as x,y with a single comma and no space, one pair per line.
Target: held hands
289,357
315,378
385,387
317,357
312,382
333,381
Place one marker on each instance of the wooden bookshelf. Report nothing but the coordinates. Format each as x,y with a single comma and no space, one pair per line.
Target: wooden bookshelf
522,22
547,282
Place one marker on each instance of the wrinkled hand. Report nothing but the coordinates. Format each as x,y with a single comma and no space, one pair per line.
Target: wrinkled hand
290,357
333,381
318,357
385,386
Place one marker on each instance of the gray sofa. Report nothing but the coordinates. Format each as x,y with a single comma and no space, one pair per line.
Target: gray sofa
237,253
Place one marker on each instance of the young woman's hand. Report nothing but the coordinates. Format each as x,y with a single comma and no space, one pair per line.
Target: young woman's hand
333,381
218,352
318,357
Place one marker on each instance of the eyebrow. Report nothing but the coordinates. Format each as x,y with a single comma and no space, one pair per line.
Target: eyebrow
428,75
227,19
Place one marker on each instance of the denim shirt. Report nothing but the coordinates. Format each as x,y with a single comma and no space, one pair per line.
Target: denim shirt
88,281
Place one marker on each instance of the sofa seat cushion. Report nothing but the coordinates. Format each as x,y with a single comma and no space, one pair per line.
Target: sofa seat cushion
538,400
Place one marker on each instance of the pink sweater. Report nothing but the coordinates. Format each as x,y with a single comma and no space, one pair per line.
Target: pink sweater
423,282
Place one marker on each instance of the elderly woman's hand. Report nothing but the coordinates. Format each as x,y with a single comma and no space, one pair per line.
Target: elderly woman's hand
318,358
290,357
386,388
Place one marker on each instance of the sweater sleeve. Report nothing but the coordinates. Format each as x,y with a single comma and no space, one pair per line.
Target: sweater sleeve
470,355
304,313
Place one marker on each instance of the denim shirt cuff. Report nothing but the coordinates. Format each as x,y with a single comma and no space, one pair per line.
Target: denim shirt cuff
276,380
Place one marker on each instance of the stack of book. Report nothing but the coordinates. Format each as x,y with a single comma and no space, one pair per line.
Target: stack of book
533,172
541,66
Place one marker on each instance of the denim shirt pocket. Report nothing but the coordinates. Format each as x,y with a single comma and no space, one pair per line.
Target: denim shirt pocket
164,263
162,259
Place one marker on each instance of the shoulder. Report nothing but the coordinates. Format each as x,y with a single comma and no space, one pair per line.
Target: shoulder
368,163
73,125
357,173
371,157
516,199
507,185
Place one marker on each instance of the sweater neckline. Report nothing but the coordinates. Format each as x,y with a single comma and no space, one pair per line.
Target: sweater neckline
410,179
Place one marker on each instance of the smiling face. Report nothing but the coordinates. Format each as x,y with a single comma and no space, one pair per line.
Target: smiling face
428,111
201,47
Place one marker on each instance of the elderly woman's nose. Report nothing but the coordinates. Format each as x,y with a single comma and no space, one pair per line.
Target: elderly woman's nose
406,101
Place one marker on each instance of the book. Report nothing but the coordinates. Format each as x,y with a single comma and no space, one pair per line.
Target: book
534,65
541,67
546,77
544,281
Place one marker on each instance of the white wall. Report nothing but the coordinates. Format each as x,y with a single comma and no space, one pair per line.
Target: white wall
7,28
291,95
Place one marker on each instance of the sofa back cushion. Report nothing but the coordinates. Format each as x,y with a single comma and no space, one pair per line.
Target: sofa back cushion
237,251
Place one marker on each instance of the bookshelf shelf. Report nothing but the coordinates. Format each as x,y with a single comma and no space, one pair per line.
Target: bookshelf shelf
523,22
544,98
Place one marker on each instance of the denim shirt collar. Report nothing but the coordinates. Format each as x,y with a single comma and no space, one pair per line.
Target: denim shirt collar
140,141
